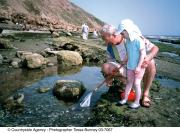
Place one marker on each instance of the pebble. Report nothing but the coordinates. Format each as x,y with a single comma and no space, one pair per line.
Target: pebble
50,64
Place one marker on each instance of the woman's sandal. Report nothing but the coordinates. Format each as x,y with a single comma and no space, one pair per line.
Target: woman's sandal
146,102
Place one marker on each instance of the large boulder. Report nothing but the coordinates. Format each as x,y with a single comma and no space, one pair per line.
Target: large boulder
93,55
23,54
35,60
69,58
68,90
29,59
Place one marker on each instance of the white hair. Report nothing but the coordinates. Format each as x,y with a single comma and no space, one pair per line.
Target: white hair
110,29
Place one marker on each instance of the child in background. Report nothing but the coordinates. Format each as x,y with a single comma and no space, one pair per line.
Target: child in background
135,53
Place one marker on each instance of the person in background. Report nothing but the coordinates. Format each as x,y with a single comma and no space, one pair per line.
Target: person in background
95,34
85,31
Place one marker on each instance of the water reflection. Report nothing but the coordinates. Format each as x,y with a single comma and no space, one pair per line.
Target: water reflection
45,109
64,71
19,78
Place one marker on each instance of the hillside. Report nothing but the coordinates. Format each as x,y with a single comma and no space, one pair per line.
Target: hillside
41,14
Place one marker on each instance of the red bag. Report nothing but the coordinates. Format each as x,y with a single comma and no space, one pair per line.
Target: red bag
131,97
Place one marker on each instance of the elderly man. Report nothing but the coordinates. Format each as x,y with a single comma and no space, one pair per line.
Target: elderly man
116,58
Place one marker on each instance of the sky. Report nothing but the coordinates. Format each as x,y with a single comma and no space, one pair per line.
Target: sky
153,17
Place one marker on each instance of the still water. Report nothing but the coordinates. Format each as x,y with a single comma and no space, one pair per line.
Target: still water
44,109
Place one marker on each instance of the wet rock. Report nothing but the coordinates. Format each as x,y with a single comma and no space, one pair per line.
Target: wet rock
5,44
1,59
69,58
22,54
71,47
43,53
89,53
68,89
35,61
49,51
43,90
67,33
9,37
30,60
6,60
17,62
19,98
22,40
61,41
93,55
55,34
14,102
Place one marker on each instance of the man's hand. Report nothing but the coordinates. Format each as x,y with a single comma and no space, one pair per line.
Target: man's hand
145,62
137,70
109,81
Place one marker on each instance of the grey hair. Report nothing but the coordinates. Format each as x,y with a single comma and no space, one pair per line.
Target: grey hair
110,29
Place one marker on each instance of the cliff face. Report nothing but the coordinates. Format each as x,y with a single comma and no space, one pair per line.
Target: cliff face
41,14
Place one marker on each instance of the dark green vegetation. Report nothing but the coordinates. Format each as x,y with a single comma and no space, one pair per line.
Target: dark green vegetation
170,41
166,48
164,111
3,2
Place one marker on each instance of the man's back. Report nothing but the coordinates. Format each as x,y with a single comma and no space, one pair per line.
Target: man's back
85,28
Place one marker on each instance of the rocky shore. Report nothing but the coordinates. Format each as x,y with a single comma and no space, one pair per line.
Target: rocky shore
23,55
